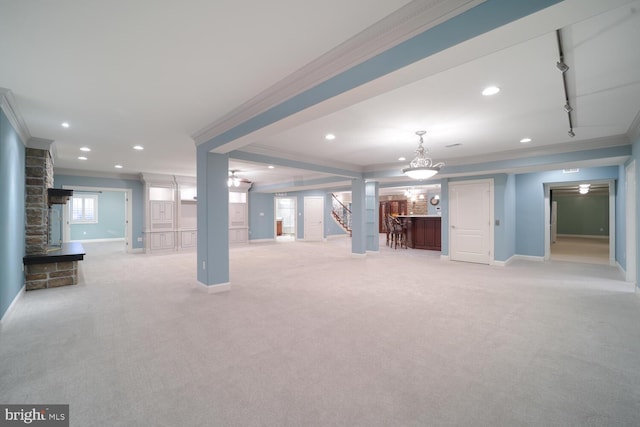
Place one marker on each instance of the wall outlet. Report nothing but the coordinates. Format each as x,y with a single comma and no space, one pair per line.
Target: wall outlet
139,239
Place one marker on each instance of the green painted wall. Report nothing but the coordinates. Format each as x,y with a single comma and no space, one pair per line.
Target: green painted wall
586,214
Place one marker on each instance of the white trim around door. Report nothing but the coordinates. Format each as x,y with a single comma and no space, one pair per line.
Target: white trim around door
128,239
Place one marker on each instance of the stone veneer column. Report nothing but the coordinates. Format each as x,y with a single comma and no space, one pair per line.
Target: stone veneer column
39,177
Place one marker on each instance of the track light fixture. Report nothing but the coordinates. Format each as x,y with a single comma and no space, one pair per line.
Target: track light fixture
560,65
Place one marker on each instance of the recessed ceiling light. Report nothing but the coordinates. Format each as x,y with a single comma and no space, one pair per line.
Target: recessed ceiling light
65,124
271,166
82,158
118,166
329,137
402,159
138,147
456,144
490,90
85,149
525,140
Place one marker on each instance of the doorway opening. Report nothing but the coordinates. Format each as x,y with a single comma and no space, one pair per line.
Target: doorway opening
97,216
285,226
582,221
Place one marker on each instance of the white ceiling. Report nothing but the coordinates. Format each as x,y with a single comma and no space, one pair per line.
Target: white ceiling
156,72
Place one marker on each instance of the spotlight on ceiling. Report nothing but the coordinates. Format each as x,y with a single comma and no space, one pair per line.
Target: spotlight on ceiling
568,108
560,65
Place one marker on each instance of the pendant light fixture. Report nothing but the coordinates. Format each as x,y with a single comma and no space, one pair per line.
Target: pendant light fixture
422,167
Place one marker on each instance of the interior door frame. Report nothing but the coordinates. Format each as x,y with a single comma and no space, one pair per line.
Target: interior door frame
491,183
66,230
295,216
612,214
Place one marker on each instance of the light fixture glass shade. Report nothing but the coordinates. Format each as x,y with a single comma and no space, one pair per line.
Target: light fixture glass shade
420,173
422,167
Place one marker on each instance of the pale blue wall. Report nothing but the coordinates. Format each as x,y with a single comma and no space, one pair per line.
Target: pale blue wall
261,215
111,219
137,204
12,213
530,226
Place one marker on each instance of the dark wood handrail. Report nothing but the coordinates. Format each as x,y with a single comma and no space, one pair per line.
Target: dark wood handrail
338,200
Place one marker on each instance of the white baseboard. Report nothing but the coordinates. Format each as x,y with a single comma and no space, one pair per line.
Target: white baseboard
11,307
262,240
528,258
584,236
213,289
115,239
136,251
336,236
355,255
444,258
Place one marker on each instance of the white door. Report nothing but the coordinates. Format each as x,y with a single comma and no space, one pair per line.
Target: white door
470,221
313,219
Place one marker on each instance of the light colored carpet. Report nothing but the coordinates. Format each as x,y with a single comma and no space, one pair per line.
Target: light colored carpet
311,336
588,250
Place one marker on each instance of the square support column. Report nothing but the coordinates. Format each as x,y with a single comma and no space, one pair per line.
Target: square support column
371,210
213,221
358,217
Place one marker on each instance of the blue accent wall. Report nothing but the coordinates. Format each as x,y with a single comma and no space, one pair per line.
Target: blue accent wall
12,213
261,215
137,202
111,219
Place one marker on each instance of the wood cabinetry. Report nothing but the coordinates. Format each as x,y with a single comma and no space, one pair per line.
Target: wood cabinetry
390,207
424,232
161,214
162,241
188,239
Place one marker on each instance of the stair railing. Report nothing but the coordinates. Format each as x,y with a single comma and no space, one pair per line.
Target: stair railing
341,213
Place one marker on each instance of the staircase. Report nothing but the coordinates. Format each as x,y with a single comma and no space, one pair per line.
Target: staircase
341,214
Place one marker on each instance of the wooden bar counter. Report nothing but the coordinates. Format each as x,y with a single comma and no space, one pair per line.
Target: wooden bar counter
423,231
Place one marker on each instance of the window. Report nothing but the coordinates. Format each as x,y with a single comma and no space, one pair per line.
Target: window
84,209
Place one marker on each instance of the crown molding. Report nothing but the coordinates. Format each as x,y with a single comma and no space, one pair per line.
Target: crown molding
566,147
95,174
410,20
634,130
9,107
